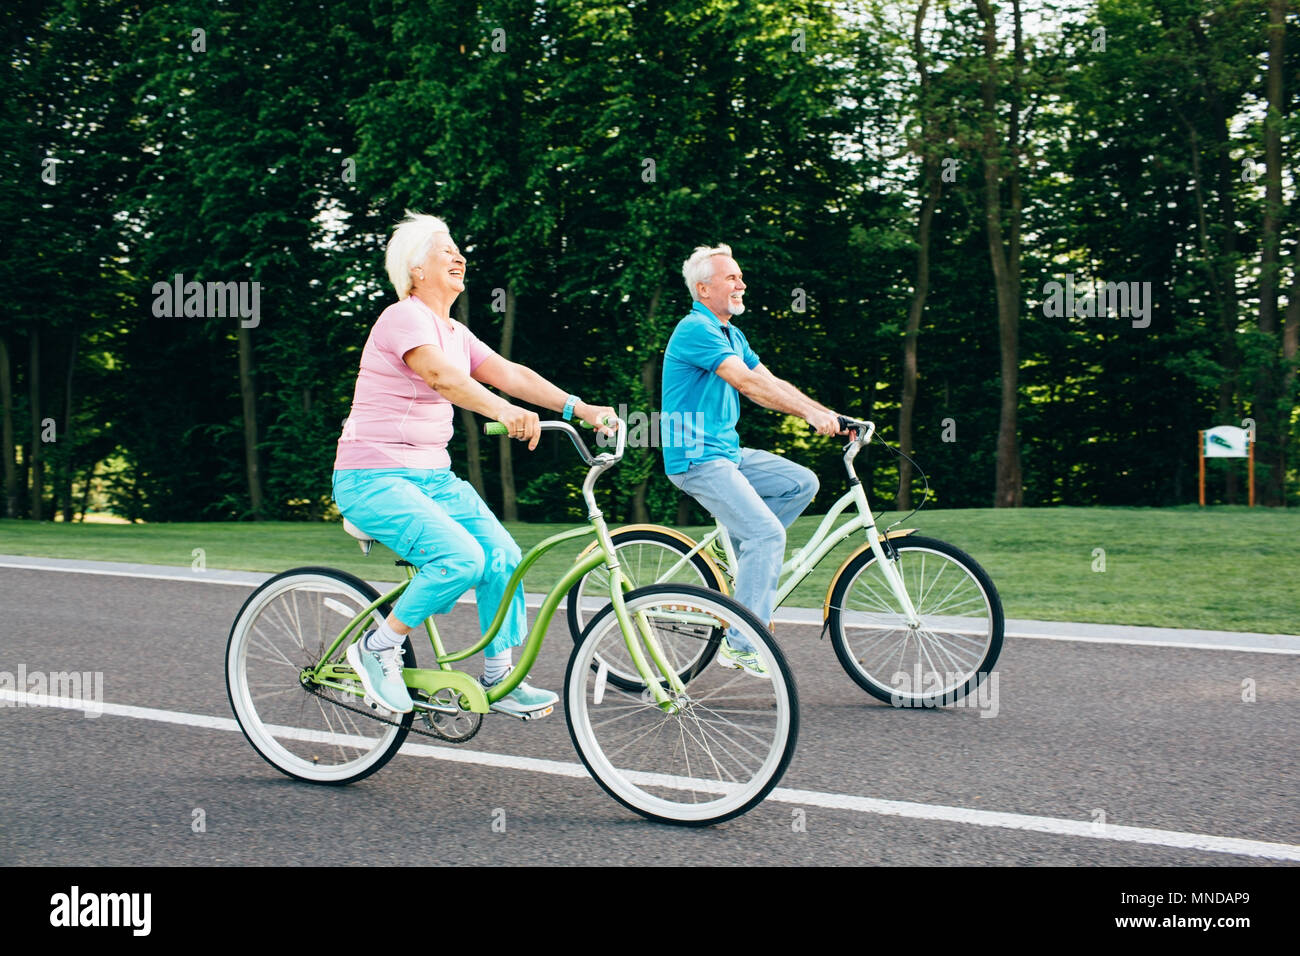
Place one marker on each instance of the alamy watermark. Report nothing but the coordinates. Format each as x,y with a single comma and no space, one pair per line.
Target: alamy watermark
75,908
1086,299
41,688
208,300
682,430
984,697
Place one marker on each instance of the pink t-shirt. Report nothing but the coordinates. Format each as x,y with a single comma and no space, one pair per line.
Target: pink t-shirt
397,420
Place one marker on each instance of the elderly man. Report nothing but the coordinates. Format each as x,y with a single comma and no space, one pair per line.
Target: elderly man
708,364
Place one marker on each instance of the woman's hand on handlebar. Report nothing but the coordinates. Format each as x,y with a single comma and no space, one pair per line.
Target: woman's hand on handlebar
596,415
521,424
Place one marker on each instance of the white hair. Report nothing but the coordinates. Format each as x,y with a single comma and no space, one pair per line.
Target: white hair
699,267
409,246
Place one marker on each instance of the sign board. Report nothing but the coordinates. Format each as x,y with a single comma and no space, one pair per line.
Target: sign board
1226,441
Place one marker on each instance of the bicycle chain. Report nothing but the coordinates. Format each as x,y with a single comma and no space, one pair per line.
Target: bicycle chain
393,723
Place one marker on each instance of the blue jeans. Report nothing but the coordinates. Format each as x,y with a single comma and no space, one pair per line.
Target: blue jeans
756,501
439,523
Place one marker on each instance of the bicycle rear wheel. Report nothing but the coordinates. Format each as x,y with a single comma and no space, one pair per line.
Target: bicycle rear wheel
300,728
728,738
938,662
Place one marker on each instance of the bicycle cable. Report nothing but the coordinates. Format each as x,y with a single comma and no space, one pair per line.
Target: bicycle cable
924,498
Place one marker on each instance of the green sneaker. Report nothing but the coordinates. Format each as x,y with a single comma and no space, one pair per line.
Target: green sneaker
381,676
524,701
748,661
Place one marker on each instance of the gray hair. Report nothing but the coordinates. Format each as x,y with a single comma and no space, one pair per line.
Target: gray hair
699,267
409,246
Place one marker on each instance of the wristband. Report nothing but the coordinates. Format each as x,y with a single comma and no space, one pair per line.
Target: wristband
569,406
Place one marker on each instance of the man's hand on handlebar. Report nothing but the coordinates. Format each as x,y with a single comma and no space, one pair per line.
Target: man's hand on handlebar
826,423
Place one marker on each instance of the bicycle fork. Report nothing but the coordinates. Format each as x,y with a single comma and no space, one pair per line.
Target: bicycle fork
887,559
638,636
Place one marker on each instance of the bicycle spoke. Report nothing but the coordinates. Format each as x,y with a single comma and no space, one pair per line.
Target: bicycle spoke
957,633
308,732
714,750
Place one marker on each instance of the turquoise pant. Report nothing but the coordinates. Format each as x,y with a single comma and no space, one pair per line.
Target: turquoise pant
437,522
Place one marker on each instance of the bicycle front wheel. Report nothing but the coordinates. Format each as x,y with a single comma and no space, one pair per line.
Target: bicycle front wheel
722,744
952,648
301,728
647,557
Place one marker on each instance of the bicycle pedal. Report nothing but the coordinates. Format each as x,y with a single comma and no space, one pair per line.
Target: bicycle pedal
527,715
379,709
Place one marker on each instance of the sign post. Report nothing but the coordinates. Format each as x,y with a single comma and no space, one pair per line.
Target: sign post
1225,441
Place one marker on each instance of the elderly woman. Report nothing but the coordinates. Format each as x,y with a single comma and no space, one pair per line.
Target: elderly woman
392,474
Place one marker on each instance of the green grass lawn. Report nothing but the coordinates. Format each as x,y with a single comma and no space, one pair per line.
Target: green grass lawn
1221,568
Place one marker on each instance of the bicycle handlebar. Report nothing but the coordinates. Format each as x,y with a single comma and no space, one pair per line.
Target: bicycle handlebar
496,428
864,429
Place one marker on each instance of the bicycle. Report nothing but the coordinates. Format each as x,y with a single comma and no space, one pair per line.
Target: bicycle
915,621
689,746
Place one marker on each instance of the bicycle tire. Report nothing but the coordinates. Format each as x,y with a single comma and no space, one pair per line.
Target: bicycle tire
283,629
950,653
688,767
644,555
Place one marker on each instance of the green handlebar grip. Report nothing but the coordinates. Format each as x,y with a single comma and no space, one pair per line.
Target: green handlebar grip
496,428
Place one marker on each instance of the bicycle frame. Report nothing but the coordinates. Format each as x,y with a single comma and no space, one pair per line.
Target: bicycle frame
824,540
638,636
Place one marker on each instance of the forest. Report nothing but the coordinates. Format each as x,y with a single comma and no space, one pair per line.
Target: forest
1040,244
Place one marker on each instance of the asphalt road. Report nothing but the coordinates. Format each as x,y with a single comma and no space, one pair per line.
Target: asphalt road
1090,754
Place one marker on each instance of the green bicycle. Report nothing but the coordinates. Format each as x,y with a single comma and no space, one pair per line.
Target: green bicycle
914,621
687,745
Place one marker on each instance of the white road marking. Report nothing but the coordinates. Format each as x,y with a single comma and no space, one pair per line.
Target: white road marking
1274,643
196,577
1151,642
835,801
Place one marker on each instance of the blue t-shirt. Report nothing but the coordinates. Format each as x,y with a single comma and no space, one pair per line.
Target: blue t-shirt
700,409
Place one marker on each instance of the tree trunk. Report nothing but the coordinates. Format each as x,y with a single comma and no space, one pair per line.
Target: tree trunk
910,342
248,395
85,493
7,434
640,513
474,463
69,463
1224,298
1290,346
931,184
37,469
1004,253
509,500
649,376
1270,427
1229,405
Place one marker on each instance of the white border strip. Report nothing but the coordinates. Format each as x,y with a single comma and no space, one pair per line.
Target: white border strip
833,801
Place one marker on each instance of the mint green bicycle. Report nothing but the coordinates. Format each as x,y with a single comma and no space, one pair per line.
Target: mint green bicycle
915,621
689,745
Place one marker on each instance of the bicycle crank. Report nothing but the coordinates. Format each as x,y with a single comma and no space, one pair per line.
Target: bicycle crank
434,718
